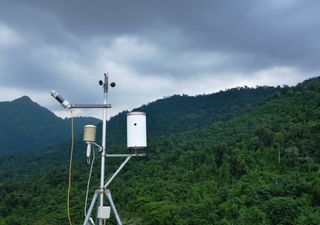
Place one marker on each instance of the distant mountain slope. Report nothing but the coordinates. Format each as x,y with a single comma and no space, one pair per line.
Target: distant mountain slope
180,113
26,126
221,173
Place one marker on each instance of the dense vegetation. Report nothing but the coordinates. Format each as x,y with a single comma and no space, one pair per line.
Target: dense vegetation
260,167
168,115
25,126
180,113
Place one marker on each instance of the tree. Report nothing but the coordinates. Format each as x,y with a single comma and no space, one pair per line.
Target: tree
282,210
278,142
252,216
264,134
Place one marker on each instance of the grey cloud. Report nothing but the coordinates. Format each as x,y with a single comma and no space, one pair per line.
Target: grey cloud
68,45
273,33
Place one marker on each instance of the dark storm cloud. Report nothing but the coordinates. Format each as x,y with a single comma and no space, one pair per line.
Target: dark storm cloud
272,31
167,44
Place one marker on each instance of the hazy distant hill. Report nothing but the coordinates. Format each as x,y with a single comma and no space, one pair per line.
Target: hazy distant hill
26,126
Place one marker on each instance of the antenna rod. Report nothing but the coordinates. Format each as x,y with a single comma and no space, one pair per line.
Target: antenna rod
104,133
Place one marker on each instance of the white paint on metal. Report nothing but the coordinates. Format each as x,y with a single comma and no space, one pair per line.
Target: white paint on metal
136,130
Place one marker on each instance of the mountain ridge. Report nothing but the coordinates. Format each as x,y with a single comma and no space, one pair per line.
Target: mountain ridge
26,126
224,172
188,112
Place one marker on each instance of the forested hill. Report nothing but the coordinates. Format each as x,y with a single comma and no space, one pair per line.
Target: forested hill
165,116
182,112
25,126
260,167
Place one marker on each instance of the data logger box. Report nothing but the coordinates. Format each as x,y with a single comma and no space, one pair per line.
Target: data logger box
104,212
136,130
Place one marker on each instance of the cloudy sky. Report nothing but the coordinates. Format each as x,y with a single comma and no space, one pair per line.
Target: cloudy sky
153,49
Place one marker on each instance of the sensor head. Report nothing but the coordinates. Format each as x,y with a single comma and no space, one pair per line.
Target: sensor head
89,133
66,104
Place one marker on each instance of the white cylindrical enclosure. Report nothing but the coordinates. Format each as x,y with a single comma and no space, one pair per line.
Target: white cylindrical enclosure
89,133
136,130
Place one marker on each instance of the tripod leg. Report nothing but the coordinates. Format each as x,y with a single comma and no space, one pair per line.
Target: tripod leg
94,199
91,221
114,209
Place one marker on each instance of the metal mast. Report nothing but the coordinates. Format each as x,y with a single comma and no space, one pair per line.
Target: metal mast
103,212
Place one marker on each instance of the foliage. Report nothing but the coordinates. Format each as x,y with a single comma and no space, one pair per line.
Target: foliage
182,112
226,172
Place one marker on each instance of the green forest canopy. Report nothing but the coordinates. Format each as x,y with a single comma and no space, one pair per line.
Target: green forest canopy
226,172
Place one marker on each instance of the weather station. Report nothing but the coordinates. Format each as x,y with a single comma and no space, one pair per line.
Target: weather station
136,144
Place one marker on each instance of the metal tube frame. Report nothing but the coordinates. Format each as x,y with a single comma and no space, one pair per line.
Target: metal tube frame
114,209
89,106
103,154
107,192
125,155
117,171
102,189
94,199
